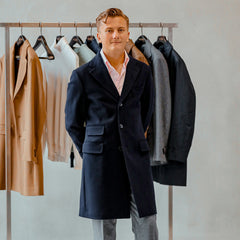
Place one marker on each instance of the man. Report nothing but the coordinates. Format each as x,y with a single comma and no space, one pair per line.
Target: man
108,109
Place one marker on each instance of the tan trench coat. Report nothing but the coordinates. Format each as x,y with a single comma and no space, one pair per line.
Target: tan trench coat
28,114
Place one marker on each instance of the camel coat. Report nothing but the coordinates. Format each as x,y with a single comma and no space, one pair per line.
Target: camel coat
28,114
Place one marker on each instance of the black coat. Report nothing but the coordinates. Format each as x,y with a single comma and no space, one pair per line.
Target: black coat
112,143
182,119
93,44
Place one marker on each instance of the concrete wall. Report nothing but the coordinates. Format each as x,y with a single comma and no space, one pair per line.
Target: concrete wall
207,39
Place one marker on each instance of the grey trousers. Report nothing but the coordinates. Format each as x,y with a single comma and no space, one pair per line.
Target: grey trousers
144,228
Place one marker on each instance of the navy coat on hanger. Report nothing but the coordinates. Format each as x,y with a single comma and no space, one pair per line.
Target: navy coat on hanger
182,119
108,131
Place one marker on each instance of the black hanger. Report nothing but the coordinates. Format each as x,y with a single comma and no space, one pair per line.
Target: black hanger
19,43
161,37
90,37
42,41
142,38
20,40
59,36
140,41
74,40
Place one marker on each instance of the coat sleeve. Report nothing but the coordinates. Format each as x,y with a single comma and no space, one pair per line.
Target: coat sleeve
37,112
147,99
183,114
75,111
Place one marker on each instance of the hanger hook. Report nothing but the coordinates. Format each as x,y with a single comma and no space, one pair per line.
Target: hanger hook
91,28
75,27
59,24
40,25
141,26
161,29
21,28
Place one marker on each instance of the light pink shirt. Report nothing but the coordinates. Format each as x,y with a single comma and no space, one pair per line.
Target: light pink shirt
118,79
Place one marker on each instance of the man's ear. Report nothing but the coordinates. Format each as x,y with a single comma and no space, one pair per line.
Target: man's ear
128,36
98,37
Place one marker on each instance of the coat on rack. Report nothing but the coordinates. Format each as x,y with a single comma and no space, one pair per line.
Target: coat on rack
58,72
28,114
133,51
160,125
182,120
115,151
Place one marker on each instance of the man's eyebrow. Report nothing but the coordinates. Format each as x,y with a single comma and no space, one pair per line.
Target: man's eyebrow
112,27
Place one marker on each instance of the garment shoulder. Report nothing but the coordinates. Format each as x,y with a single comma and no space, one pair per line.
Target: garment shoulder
32,56
80,73
139,64
156,54
177,58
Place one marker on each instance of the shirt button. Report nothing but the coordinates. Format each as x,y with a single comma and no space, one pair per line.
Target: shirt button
121,126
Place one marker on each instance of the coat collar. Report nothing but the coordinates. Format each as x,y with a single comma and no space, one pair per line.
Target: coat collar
165,47
130,44
145,46
21,69
99,71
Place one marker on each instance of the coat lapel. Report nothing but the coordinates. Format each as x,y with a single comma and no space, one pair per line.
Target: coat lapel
99,71
131,76
21,70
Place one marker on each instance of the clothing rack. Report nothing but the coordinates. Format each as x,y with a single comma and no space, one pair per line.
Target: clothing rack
7,26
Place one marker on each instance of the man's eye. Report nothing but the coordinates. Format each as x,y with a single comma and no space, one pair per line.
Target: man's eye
109,30
121,30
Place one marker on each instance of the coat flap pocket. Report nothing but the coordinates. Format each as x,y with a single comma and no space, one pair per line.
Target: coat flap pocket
143,145
2,129
92,147
95,130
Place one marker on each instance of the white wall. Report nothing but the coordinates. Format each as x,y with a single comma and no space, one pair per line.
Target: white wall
208,41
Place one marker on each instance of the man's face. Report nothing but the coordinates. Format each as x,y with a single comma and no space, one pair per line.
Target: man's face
113,34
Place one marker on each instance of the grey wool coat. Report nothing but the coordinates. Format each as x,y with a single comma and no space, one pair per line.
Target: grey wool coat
158,131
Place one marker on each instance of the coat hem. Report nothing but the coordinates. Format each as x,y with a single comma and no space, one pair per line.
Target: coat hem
105,217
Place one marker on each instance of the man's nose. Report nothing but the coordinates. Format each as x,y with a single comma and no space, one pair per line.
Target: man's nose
115,34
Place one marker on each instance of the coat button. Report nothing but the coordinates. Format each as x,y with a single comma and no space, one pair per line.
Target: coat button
120,125
120,148
120,105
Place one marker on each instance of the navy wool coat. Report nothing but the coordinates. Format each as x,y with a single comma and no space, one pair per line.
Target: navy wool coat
182,119
108,130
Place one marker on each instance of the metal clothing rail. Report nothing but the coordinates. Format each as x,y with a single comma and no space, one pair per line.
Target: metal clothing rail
7,26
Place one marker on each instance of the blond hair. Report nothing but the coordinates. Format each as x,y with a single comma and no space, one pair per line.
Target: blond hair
111,12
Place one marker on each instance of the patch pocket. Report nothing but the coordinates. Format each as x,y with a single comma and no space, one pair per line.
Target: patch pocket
94,133
92,147
143,145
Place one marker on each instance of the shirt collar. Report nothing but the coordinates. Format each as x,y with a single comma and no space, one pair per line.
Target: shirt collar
107,63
